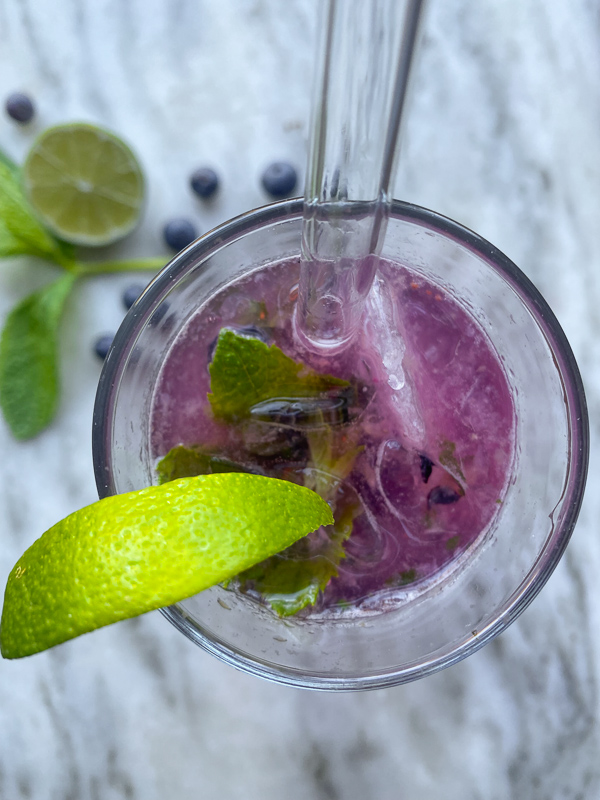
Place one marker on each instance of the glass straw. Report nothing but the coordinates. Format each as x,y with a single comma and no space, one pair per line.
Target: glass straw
366,51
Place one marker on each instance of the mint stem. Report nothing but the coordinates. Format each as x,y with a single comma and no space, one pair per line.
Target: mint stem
129,265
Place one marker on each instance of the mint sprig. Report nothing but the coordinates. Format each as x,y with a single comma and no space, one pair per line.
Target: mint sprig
29,354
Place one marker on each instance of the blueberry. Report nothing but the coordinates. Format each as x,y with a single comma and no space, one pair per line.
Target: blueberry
204,182
159,313
329,408
426,468
102,345
179,233
279,179
442,496
131,294
20,107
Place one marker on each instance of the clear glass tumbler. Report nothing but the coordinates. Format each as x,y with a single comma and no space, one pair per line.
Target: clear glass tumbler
446,620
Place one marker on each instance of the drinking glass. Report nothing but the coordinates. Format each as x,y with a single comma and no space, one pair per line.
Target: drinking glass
442,621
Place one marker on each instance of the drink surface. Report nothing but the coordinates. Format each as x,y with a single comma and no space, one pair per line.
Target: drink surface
413,447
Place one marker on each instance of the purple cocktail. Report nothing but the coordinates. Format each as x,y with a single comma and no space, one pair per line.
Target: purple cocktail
413,450
450,438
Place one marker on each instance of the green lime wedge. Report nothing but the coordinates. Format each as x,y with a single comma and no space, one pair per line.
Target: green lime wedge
84,183
135,552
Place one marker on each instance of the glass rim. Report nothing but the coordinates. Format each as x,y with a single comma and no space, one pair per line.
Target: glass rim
546,562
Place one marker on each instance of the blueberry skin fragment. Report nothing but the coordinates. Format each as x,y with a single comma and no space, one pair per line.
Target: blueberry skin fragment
253,332
131,294
204,182
426,468
275,447
279,179
442,496
179,233
102,345
20,107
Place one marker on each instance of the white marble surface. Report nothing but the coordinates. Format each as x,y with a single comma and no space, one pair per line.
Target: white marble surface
504,136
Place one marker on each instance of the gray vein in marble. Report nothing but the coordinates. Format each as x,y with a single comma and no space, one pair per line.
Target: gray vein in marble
31,33
71,785
318,769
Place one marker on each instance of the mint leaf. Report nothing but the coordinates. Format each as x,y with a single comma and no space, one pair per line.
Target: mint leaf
332,459
9,244
28,359
20,231
246,372
293,579
187,462
8,162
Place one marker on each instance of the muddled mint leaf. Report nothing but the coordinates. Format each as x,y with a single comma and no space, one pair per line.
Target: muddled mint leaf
29,382
332,459
187,462
293,579
450,462
408,576
403,578
246,372
21,233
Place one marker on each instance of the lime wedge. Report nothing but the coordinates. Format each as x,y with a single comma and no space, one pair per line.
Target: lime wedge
84,183
135,552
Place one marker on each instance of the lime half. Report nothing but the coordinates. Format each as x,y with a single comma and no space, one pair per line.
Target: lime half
134,552
84,183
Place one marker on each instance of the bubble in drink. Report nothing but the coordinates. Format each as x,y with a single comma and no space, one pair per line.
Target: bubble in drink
409,433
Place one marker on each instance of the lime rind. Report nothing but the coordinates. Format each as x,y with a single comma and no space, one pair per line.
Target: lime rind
132,553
